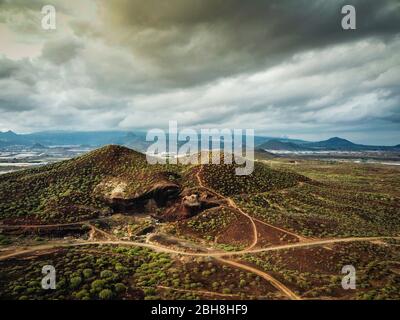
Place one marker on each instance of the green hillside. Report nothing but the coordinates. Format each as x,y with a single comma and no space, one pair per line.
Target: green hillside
84,187
223,179
65,191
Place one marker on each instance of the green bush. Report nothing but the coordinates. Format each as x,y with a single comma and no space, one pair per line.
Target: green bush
98,285
120,287
75,282
83,294
106,294
87,273
106,274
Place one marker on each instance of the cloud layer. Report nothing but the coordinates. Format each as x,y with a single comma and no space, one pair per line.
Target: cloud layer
280,67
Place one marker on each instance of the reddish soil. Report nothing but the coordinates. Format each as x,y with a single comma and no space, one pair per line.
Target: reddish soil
240,232
268,236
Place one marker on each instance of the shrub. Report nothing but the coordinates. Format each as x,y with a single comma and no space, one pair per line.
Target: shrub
75,282
226,290
83,294
106,294
87,273
149,291
120,287
120,268
106,274
98,285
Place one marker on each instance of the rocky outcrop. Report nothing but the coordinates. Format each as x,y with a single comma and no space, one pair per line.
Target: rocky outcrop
160,195
191,201
190,204
164,200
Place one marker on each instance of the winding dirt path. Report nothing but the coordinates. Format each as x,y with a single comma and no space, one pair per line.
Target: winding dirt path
252,219
159,248
232,204
107,235
54,225
276,283
217,255
301,238
43,226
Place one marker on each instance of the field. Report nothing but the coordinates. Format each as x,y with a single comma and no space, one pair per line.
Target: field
116,228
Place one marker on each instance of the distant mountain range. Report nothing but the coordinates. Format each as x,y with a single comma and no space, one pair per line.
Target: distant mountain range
332,144
278,145
137,141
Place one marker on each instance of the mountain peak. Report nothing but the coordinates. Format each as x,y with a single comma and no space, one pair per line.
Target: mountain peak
112,153
339,141
276,144
113,149
8,133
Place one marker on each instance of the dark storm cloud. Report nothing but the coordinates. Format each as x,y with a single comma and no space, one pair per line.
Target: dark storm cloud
17,80
61,51
280,67
200,40
8,68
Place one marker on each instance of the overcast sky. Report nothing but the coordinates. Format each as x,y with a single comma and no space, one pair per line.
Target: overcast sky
282,67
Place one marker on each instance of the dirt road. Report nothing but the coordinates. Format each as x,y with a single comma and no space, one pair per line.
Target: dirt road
277,284
311,243
221,256
232,204
217,255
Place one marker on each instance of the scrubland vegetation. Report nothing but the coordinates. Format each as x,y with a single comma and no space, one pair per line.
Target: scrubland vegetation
65,191
104,273
341,200
309,199
316,272
223,179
